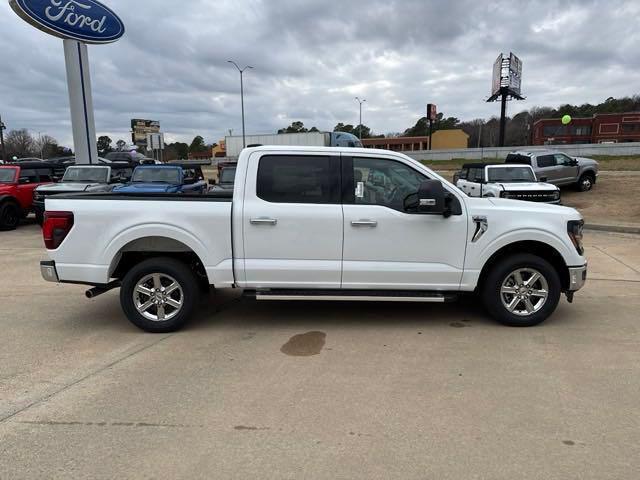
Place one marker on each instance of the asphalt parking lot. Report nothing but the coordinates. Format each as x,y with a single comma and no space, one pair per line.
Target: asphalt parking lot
313,390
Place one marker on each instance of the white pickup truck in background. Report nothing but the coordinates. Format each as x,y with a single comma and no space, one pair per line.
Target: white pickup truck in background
517,182
317,223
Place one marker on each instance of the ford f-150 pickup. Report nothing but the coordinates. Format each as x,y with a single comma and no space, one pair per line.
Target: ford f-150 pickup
317,223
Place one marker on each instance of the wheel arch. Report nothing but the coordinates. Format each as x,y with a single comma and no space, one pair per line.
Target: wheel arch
534,247
145,247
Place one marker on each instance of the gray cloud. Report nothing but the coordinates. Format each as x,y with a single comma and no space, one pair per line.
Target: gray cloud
311,58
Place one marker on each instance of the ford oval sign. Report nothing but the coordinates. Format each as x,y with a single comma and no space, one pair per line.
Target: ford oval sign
86,21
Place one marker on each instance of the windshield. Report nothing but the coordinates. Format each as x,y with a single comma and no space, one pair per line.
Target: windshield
7,175
86,175
228,175
157,175
511,174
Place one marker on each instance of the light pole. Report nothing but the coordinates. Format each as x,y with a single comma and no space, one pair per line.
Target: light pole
360,124
4,152
241,70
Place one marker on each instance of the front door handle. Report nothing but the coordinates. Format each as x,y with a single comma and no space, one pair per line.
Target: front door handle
263,221
364,223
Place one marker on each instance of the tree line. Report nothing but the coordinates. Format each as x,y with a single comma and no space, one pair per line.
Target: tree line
485,132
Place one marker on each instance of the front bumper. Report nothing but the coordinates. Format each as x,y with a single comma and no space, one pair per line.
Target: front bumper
48,271
577,278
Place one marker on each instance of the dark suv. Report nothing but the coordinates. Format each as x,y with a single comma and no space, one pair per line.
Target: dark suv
17,183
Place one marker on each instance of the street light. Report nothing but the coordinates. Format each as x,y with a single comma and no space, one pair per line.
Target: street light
360,124
241,70
4,152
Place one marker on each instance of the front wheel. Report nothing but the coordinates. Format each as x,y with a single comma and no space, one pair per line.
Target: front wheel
586,182
9,216
522,290
158,295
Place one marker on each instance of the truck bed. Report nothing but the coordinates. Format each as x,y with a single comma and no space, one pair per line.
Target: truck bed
106,224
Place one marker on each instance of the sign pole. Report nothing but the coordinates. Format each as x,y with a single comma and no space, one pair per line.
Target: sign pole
503,118
81,102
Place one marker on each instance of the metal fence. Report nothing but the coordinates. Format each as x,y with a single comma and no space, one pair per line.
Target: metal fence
582,150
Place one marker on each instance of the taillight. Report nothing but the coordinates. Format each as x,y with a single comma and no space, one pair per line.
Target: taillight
55,228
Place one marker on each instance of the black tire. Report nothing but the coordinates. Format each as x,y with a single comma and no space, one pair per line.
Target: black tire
586,182
9,216
165,267
492,296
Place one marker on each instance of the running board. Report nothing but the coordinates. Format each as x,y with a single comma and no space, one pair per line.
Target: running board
354,295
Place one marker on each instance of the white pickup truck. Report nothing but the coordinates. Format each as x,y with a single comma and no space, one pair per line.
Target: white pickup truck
315,223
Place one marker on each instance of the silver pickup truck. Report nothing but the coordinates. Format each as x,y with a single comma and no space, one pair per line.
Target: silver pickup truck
559,168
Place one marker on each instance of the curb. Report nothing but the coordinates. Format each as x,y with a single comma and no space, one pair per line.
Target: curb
612,228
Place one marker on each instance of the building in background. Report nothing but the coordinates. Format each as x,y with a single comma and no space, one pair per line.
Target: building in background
601,128
140,129
442,140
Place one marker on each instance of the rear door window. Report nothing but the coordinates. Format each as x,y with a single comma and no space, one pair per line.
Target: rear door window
298,179
546,161
28,175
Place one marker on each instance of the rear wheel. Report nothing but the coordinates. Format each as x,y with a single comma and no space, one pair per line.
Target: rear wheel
586,182
9,216
522,290
158,295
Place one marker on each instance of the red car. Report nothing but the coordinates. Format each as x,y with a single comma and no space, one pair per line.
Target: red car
17,183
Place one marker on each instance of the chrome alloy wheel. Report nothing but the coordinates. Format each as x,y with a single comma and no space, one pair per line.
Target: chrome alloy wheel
158,297
524,292
587,183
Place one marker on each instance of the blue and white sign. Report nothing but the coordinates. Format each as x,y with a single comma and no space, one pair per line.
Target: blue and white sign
86,21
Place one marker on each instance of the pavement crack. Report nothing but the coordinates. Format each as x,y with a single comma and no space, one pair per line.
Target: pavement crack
615,258
67,386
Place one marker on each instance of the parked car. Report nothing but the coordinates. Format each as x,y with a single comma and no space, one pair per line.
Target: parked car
168,178
82,178
226,178
17,183
300,225
559,168
517,182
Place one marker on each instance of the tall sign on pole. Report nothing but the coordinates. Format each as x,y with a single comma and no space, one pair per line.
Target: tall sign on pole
78,23
506,84
432,115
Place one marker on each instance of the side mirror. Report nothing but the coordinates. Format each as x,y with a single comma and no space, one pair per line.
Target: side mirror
543,179
574,162
430,199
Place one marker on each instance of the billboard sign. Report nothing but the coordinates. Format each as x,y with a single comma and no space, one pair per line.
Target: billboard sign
515,74
86,21
141,128
497,76
432,112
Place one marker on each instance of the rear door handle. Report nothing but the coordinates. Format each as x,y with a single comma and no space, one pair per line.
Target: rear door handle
364,223
263,221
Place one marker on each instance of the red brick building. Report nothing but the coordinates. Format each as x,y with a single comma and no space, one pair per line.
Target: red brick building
601,128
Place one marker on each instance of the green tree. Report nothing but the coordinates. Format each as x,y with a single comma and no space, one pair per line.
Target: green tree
197,145
104,145
297,127
341,127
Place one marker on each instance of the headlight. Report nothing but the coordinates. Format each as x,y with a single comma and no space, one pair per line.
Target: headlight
575,229
556,195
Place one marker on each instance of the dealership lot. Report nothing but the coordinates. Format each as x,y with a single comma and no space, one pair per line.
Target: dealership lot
302,390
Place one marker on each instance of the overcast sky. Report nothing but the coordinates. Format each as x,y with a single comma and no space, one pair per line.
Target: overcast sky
311,58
